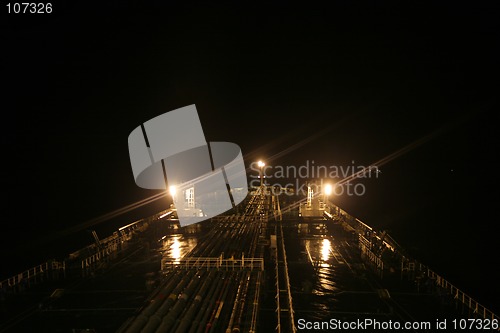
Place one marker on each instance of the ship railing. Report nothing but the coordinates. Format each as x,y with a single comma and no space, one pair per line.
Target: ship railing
364,229
113,243
104,253
475,307
255,305
142,224
109,247
288,287
32,275
371,256
123,234
277,285
213,262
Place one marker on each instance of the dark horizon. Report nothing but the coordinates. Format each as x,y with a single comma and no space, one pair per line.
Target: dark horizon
371,79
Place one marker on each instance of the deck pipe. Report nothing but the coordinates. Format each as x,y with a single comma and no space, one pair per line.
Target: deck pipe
235,305
207,303
214,303
141,320
190,314
155,319
241,307
237,233
219,303
227,300
255,308
168,321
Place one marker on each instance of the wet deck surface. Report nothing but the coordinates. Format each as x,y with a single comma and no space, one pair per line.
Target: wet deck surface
330,280
101,301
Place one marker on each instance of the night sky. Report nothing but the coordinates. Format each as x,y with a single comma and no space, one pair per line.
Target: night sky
371,78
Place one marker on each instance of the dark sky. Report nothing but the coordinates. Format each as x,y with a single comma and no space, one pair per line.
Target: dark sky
374,77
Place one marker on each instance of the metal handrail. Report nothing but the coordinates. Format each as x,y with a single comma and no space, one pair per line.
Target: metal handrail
31,273
287,280
390,243
213,262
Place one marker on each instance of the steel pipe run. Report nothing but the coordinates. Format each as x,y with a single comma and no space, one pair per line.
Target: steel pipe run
207,301
239,303
219,304
155,320
226,311
224,232
255,309
210,315
241,307
170,318
207,243
142,319
232,233
213,304
218,231
220,298
216,244
189,315
235,306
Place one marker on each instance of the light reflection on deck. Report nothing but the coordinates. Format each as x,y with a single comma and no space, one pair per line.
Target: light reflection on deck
320,254
177,246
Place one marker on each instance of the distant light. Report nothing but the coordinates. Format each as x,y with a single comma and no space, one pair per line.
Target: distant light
260,164
328,189
172,190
